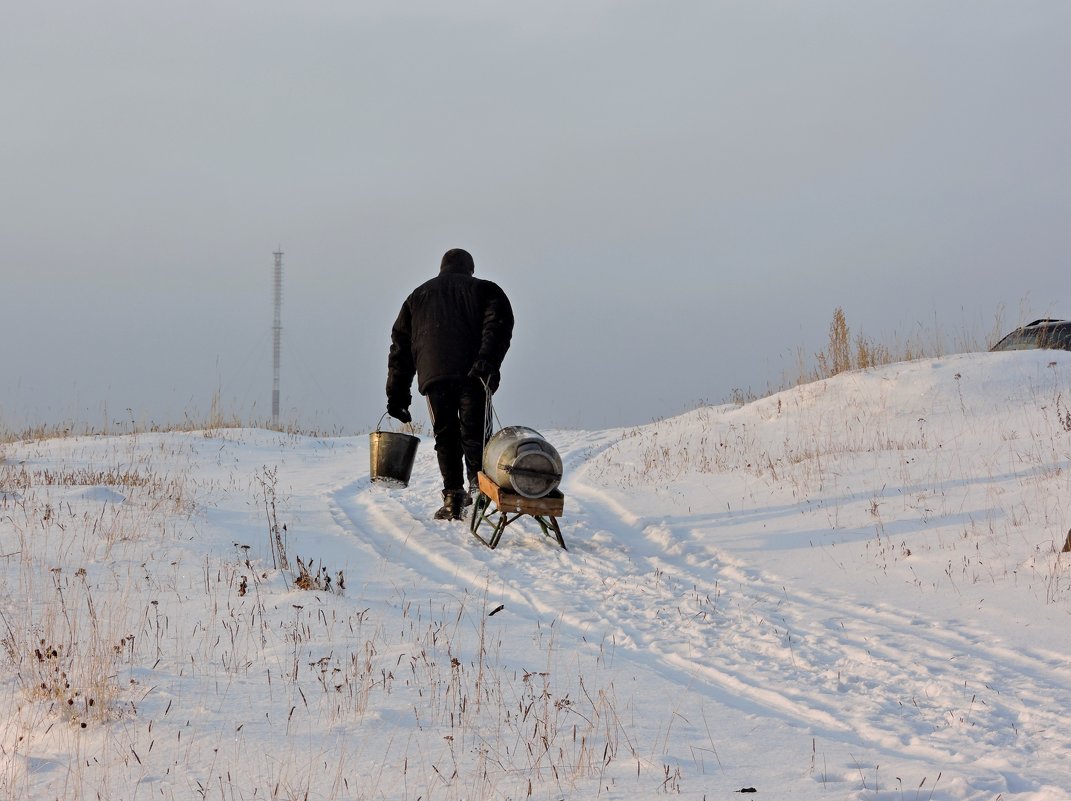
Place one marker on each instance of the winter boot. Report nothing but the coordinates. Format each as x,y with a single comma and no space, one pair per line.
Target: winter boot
453,502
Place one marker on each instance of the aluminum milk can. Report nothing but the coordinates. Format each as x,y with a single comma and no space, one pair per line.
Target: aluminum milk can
520,459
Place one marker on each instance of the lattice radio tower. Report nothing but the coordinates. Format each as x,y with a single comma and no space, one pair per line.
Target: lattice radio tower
276,338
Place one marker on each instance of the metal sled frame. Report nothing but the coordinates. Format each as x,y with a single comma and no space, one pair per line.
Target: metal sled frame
494,501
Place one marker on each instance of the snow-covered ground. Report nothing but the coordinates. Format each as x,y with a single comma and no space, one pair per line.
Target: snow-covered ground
849,590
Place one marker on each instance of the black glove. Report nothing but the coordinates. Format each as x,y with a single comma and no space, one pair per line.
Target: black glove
399,414
481,369
484,372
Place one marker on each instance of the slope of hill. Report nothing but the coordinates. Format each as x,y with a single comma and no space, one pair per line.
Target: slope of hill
852,589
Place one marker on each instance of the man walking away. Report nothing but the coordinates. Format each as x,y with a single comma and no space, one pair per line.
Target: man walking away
452,333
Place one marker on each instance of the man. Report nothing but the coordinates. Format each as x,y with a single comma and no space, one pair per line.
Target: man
452,333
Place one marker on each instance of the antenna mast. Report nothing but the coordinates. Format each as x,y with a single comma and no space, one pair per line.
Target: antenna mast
276,336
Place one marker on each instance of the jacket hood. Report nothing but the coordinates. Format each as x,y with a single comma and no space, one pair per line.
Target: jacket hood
457,261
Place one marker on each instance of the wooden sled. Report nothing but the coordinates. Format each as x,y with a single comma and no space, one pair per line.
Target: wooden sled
493,500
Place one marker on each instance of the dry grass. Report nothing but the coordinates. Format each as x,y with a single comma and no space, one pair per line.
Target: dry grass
846,350
96,635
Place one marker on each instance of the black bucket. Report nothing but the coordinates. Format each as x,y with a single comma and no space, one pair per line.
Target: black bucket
391,455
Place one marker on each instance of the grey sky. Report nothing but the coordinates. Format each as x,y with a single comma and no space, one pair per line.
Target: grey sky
675,195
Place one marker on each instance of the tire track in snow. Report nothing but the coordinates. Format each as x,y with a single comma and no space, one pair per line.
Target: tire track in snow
377,517
812,667
723,628
599,588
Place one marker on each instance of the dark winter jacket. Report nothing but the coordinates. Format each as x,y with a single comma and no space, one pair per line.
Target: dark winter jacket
444,327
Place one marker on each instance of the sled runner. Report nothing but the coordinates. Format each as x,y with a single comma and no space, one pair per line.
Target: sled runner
493,501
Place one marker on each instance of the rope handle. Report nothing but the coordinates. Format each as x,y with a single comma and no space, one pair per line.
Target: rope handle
488,412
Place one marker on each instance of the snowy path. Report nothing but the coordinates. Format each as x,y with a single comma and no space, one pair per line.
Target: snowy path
850,591
873,676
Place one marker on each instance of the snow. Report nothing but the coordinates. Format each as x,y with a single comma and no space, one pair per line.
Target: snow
853,589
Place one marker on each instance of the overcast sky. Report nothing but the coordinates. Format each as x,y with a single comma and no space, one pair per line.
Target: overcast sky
675,195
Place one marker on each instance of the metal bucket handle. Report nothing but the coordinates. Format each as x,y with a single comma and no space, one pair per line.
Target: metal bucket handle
406,427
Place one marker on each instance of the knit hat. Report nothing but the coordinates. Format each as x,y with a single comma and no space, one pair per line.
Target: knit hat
457,261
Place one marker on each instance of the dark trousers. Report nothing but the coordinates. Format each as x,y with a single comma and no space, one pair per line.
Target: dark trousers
457,420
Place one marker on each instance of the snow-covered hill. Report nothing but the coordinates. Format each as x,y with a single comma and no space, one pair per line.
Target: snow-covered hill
852,589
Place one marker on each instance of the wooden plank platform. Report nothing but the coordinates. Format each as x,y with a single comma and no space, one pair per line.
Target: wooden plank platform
494,505
552,504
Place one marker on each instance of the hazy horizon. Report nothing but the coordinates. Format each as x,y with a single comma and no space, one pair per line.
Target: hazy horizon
675,198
